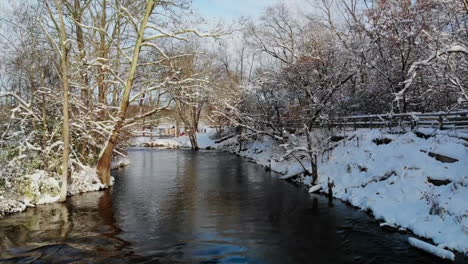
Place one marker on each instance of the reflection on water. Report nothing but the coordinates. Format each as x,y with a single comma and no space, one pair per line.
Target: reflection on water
205,207
83,229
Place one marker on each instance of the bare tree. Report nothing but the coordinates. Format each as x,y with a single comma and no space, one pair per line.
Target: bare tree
63,50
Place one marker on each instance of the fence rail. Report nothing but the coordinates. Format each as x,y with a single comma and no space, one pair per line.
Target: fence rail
439,120
436,120
457,120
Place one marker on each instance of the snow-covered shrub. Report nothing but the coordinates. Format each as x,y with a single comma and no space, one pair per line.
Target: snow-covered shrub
8,205
37,188
435,208
85,180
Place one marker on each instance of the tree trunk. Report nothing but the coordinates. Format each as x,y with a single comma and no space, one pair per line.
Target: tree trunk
105,158
102,86
78,16
64,64
177,129
193,139
312,157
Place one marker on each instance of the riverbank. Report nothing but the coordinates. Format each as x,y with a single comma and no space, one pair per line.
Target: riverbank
409,181
40,187
416,181
182,206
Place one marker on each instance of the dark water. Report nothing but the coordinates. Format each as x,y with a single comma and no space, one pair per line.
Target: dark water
206,207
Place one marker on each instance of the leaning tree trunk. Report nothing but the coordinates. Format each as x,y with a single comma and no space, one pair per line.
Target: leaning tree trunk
105,158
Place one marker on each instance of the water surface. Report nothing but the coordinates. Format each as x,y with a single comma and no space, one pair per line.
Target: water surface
200,207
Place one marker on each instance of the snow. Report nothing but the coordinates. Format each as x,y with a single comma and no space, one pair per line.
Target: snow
36,188
388,225
39,188
86,180
387,179
49,193
433,212
315,188
391,180
440,252
204,141
120,163
43,188
9,206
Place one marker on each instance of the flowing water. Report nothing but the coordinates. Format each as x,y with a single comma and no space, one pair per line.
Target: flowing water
200,207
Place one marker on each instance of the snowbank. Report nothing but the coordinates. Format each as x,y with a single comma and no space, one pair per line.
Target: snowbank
42,188
36,188
398,177
393,181
86,180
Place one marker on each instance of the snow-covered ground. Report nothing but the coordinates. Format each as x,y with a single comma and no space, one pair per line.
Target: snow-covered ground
395,181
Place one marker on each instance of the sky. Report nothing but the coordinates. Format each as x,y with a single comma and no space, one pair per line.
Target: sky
231,9
227,9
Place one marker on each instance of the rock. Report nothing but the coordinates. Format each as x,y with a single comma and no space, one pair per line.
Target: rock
389,227
421,135
336,138
439,182
382,141
439,157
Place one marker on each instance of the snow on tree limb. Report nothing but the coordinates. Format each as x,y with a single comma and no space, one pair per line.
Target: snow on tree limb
412,73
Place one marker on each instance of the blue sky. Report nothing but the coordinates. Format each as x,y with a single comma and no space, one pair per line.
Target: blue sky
231,8
235,8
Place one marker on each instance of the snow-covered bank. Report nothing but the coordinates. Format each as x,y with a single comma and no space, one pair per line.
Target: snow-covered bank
410,181
403,185
416,183
205,140
42,188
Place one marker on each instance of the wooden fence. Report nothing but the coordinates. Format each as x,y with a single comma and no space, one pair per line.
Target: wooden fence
155,132
457,120
436,120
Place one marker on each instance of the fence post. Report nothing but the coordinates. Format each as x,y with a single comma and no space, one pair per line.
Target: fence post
441,122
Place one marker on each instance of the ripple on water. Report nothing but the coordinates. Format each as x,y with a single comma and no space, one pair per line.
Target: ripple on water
200,207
